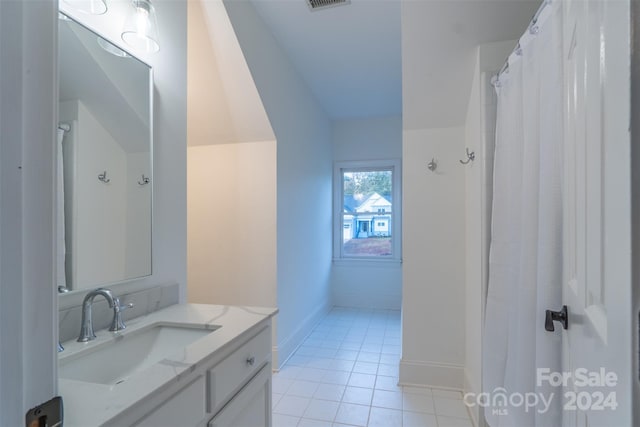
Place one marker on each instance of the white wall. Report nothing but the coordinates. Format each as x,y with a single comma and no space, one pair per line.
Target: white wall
139,216
101,218
97,231
439,39
28,315
433,258
209,117
304,170
436,90
224,104
480,138
356,283
169,246
232,223
434,105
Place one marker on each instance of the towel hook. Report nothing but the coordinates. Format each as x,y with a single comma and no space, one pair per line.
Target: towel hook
471,156
103,177
145,180
432,165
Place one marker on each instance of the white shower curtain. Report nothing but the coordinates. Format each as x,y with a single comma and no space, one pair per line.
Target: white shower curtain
60,242
525,266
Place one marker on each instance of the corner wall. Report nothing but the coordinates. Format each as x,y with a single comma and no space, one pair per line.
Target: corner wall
28,317
433,259
304,171
444,223
367,283
434,105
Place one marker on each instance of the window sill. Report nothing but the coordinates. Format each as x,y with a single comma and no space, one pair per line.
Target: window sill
368,262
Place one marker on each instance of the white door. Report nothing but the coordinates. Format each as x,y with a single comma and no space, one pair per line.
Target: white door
597,260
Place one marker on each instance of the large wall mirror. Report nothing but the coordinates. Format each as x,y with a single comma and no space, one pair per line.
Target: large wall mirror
105,161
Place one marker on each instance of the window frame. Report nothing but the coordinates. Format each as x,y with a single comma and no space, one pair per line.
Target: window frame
396,212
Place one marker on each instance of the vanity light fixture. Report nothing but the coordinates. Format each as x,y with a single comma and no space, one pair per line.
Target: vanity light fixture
91,7
141,27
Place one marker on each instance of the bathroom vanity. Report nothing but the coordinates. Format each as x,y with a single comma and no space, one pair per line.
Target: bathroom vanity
180,366
185,365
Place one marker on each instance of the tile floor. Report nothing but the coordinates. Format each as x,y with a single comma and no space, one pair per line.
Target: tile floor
345,374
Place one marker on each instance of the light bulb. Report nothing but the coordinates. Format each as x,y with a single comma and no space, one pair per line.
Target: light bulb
140,30
142,21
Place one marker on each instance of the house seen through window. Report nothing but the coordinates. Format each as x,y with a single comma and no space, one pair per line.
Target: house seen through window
367,217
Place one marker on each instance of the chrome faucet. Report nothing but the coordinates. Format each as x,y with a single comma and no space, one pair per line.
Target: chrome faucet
117,324
86,330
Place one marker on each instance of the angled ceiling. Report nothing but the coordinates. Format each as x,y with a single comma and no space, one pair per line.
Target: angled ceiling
224,104
351,56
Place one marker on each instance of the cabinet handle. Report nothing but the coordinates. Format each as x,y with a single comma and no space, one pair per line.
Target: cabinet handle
251,360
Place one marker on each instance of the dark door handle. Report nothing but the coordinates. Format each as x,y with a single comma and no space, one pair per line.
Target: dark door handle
557,316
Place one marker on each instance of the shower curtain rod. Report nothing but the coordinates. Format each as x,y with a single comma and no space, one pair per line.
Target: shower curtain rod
532,29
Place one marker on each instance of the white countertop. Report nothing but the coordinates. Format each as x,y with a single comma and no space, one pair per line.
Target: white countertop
88,404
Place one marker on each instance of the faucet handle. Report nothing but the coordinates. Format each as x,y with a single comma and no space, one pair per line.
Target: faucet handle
117,324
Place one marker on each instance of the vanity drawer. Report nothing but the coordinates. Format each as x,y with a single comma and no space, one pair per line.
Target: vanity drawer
232,373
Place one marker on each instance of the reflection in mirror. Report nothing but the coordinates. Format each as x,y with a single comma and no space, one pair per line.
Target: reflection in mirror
105,161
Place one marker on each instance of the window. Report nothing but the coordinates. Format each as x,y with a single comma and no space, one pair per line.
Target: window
367,210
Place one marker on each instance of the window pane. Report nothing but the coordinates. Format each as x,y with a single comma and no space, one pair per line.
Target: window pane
367,213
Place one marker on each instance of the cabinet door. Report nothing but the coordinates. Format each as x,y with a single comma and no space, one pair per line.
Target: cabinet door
185,409
251,407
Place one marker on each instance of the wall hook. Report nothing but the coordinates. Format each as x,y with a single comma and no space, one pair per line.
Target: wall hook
103,177
432,165
145,180
471,156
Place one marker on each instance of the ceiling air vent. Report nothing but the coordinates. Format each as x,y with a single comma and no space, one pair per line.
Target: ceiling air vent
323,4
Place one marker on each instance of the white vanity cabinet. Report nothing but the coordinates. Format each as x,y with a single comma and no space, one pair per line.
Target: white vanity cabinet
233,389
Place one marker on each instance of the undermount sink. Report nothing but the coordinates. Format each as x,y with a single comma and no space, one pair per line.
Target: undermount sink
113,362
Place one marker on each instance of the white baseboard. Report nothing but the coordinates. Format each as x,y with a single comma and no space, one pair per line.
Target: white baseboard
431,374
469,387
283,350
375,300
